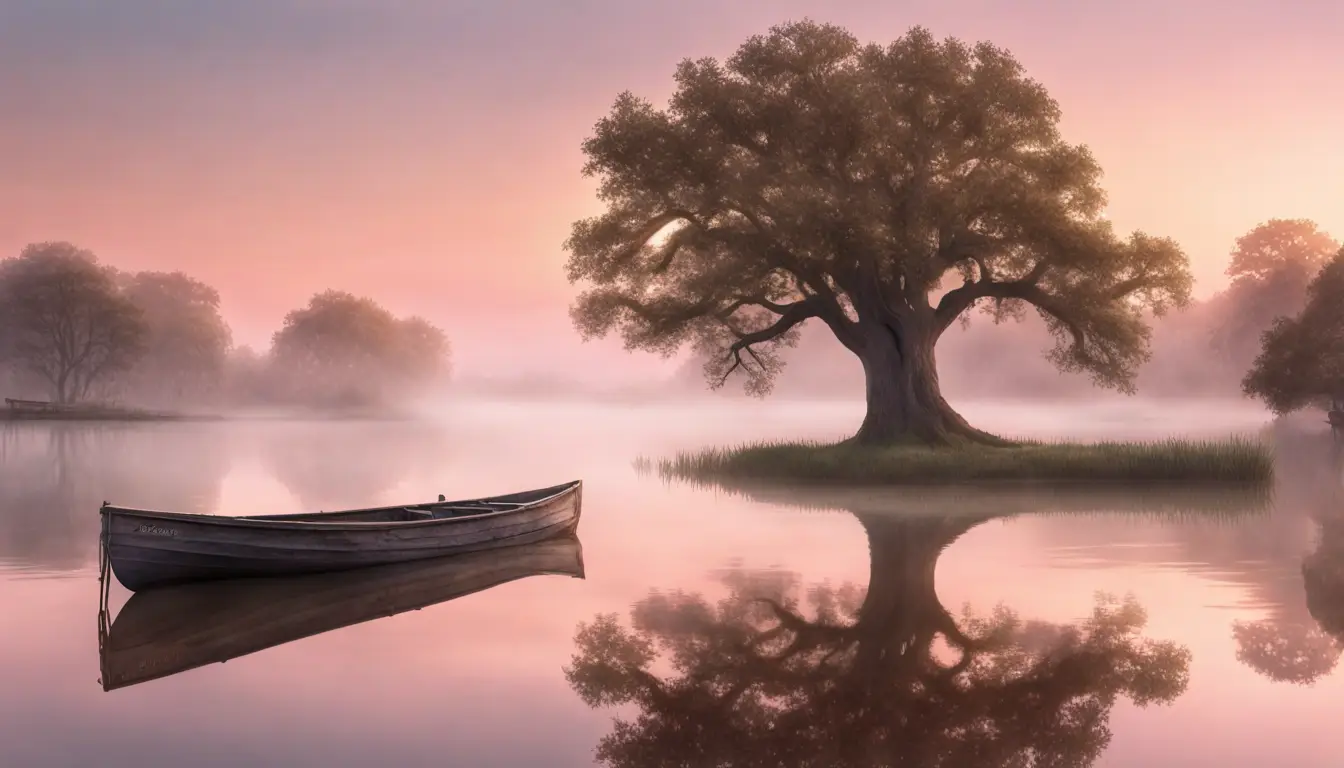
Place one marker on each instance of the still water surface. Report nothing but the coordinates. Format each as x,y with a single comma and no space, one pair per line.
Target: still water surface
762,627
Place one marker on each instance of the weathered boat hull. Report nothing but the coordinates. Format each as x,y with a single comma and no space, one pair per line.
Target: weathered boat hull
162,632
147,549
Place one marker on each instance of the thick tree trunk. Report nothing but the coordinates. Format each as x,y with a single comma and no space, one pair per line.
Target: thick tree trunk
901,613
62,389
898,622
905,401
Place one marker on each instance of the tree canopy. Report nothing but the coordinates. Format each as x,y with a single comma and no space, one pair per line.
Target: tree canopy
1279,244
1301,362
341,349
883,190
187,342
1270,268
65,321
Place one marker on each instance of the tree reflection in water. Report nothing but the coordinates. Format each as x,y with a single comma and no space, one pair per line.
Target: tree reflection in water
1286,653
337,464
775,675
1323,580
1323,577
54,475
1302,651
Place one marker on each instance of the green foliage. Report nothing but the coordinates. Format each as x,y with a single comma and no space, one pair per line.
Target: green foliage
1235,461
346,350
1301,361
65,321
813,177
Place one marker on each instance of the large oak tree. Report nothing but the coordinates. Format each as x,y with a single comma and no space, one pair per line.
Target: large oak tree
882,190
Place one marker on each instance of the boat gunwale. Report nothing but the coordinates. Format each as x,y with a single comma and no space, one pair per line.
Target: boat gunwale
268,522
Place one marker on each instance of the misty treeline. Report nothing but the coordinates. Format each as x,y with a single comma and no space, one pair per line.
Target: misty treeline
75,330
1207,348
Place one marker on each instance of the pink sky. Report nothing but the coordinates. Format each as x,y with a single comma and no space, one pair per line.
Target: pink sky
427,153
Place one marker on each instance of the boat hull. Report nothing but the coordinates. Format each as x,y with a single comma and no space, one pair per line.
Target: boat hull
153,549
163,632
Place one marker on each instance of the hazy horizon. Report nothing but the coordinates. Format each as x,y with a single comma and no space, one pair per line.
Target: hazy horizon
427,155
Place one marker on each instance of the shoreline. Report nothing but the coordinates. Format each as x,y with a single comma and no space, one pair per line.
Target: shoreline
162,417
104,416
1229,462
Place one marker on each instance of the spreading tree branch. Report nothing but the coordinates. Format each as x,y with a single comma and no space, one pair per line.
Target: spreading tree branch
792,316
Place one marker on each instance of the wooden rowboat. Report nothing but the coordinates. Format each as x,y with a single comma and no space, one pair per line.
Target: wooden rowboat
163,632
148,549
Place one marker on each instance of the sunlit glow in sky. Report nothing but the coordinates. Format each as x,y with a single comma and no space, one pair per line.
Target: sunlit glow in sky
427,154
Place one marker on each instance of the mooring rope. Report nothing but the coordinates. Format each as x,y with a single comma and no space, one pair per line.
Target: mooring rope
104,589
104,561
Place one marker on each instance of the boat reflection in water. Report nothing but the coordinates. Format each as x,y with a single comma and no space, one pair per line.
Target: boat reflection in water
165,631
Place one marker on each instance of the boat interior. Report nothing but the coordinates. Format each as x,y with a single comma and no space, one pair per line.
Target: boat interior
434,510
401,514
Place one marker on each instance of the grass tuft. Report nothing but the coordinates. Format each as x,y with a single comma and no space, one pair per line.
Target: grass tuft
1237,461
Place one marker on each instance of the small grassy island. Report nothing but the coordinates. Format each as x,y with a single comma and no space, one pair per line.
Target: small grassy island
1237,461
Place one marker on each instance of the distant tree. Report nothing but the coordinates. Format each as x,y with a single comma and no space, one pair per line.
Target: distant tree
1270,269
346,350
65,321
813,178
422,351
9,372
245,376
1280,243
188,341
1301,362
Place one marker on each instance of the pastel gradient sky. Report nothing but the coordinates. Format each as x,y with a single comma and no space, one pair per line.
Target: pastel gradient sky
427,154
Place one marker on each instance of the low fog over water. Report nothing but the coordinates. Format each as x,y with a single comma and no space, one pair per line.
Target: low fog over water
1217,577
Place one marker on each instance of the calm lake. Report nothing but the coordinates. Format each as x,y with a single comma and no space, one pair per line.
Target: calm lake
752,627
